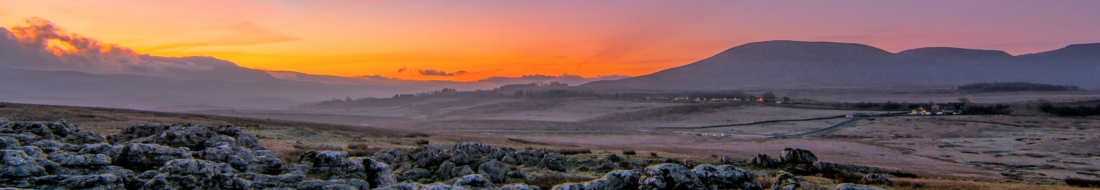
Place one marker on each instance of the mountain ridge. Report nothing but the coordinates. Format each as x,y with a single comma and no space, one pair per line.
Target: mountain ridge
798,64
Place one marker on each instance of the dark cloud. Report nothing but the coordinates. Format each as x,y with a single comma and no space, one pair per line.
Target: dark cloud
433,72
401,70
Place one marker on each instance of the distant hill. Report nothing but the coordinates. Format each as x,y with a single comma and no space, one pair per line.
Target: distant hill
794,64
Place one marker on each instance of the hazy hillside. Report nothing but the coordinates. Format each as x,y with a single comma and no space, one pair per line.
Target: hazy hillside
41,63
792,64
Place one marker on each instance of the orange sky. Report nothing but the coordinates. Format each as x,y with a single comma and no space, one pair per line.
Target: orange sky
484,38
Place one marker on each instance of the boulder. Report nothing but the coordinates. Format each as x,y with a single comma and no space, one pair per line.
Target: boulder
16,164
378,174
196,174
80,160
496,171
190,136
510,160
474,181
763,160
475,150
349,184
331,165
786,181
194,137
669,176
416,186
826,167
416,174
82,137
262,181
98,182
849,186
797,156
9,143
568,186
51,145
101,148
529,157
875,179
446,170
463,171
621,179
553,161
244,159
461,158
519,187
138,131
143,157
726,177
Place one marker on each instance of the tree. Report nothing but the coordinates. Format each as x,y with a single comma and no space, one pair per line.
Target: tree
769,97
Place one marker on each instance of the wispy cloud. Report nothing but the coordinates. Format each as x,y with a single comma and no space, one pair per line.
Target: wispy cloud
245,33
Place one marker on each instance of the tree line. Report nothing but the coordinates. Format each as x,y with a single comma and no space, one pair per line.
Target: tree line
1016,87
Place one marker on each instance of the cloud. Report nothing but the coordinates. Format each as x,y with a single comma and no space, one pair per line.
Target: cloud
540,78
401,70
433,72
41,38
376,77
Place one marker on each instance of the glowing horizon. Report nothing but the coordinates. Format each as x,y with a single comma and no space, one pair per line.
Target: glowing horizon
471,40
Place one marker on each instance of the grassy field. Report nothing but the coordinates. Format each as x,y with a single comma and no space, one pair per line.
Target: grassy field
952,152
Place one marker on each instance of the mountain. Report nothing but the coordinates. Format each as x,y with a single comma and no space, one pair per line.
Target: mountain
795,64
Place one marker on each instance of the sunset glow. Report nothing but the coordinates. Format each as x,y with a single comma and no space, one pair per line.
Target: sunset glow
471,40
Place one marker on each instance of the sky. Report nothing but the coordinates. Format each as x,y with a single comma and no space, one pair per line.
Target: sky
466,40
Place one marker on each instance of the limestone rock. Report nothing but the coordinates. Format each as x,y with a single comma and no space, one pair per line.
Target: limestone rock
416,174
519,187
262,181
378,174
797,156
849,186
669,176
875,179
196,174
496,171
474,181
16,164
786,181
553,161
763,160
331,165
621,179
726,177
568,186
80,160
143,157
350,184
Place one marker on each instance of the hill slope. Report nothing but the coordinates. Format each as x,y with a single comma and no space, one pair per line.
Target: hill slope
793,64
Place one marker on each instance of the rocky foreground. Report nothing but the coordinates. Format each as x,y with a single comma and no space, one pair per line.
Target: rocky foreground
58,155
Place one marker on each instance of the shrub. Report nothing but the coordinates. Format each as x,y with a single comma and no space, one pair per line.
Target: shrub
1079,182
573,151
415,135
548,180
358,146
